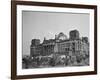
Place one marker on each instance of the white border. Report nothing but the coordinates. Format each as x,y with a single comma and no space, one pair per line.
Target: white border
21,71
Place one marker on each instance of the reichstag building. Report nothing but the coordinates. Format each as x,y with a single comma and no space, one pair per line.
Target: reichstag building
74,49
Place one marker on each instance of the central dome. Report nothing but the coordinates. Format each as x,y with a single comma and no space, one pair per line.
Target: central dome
61,36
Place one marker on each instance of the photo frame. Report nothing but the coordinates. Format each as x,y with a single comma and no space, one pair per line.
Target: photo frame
31,21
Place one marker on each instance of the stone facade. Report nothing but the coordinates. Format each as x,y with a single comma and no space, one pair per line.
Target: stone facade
72,46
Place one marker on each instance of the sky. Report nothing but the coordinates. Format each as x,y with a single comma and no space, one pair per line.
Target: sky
48,24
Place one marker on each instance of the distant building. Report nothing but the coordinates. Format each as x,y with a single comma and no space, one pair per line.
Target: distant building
74,45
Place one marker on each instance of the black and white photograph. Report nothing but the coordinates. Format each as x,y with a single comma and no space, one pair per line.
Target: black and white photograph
55,39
